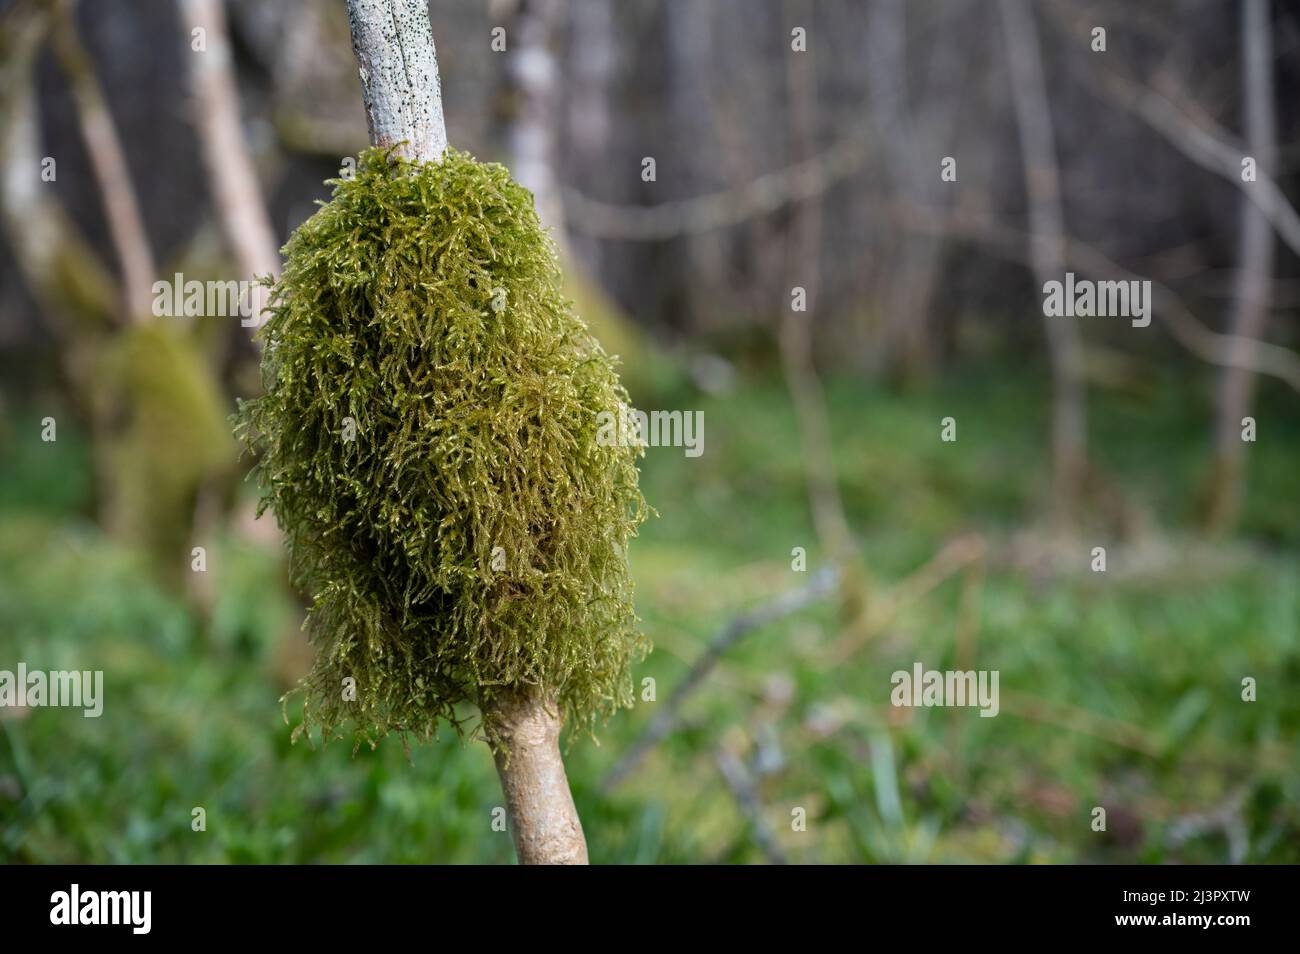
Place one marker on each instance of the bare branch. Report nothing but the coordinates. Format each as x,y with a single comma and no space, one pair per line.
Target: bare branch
1262,357
1205,148
765,194
1192,131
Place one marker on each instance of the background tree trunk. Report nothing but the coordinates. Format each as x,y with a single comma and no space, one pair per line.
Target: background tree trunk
109,163
915,132
527,107
1047,236
803,269
237,195
1252,288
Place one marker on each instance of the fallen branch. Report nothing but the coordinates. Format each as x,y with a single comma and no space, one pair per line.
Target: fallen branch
1063,715
741,785
950,559
822,582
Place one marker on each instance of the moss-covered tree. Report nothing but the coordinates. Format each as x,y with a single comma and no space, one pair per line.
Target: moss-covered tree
427,441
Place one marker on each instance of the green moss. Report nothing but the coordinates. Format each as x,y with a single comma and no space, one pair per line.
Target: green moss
472,536
164,423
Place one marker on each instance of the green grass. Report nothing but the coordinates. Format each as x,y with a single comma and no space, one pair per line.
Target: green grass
1119,690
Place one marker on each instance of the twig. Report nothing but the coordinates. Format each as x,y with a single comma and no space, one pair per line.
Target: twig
954,555
1067,716
766,194
742,787
822,582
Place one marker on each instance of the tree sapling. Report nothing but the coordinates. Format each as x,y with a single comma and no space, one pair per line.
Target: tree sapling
427,441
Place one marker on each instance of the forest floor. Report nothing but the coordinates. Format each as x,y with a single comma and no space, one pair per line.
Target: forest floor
1119,689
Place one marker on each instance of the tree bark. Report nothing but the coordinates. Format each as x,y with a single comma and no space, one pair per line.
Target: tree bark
75,289
525,739
913,136
403,99
399,76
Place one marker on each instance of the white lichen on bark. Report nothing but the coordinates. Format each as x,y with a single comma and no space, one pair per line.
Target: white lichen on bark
399,76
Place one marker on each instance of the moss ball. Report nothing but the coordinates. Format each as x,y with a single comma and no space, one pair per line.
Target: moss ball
427,441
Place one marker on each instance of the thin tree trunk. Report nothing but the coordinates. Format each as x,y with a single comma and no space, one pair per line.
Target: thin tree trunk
399,83
237,195
1253,286
109,163
588,87
543,820
1047,231
239,204
691,105
803,268
527,106
78,295
914,135
907,292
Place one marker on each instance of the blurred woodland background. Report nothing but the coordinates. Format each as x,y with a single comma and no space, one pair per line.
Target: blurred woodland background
795,144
